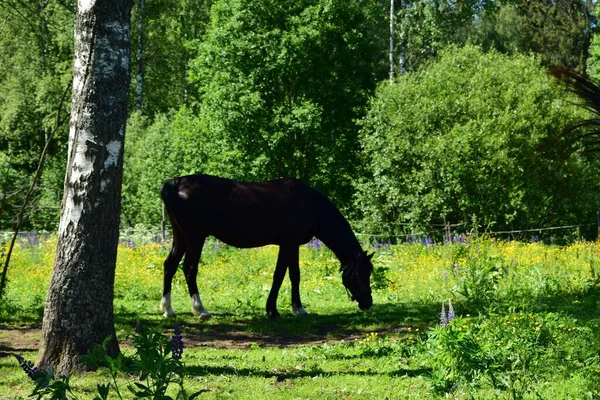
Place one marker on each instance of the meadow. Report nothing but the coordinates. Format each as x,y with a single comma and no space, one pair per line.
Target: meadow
482,319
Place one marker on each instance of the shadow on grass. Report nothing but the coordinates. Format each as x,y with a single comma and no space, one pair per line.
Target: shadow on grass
11,313
239,330
235,330
291,373
583,305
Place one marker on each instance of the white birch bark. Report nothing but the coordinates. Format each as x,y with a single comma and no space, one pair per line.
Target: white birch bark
79,304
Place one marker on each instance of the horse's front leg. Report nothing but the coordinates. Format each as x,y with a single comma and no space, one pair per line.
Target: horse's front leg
295,281
190,270
283,260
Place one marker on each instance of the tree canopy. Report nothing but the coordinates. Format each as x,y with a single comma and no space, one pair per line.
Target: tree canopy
255,90
471,136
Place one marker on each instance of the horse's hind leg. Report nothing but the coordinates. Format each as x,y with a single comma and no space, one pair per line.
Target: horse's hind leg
190,270
295,281
283,260
170,268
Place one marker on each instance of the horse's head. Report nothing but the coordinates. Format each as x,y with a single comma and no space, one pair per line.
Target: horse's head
356,277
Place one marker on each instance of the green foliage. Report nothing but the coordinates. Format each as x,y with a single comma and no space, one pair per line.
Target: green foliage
281,84
155,362
593,61
559,32
478,279
457,354
170,29
37,46
425,27
506,350
473,134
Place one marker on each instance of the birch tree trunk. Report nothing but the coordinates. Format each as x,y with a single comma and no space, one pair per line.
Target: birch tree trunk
140,58
79,303
391,40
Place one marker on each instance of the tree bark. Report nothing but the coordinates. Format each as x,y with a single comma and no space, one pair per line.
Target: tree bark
391,40
79,303
140,58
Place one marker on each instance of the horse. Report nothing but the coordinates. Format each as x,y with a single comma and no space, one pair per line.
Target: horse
284,212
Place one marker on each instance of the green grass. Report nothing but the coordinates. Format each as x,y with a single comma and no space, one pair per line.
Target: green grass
527,323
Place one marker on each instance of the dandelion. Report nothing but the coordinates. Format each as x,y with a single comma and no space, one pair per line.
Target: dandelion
443,316
32,371
177,343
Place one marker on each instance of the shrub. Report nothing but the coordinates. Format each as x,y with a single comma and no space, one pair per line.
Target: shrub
472,135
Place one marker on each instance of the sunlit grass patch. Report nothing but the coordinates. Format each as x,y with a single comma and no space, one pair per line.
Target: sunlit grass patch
531,311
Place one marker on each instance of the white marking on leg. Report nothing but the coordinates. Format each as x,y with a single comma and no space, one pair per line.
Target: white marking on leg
299,311
165,305
198,308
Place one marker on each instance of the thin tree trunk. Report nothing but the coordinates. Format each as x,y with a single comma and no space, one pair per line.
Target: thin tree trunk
140,59
43,34
79,303
391,40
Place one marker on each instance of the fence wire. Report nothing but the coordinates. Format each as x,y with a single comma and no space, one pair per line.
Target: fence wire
138,236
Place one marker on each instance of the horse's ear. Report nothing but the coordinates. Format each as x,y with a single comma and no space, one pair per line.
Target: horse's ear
369,256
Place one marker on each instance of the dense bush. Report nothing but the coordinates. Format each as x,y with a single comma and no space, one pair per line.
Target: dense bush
473,137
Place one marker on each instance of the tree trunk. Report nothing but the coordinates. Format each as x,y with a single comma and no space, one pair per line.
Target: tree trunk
140,58
79,303
391,40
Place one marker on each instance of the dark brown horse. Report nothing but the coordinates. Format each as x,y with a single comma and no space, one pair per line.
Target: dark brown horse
285,212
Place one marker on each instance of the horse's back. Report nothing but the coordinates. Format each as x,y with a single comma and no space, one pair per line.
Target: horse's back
243,214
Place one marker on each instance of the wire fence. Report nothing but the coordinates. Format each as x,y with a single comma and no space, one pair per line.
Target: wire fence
457,233
452,233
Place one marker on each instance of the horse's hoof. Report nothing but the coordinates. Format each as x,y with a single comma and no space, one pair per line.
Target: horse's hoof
299,311
273,316
204,315
168,314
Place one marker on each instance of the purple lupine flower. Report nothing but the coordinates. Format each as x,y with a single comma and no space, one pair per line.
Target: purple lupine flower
31,370
314,243
459,238
451,313
177,343
443,316
535,239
